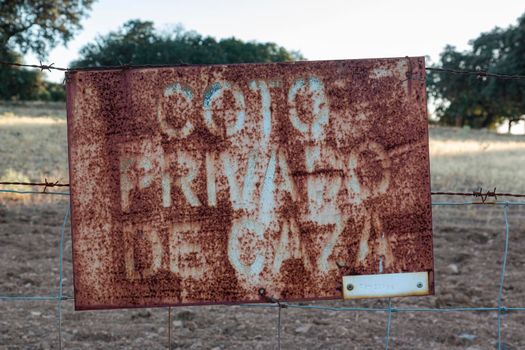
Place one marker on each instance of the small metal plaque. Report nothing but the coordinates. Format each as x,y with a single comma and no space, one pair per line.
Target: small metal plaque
386,285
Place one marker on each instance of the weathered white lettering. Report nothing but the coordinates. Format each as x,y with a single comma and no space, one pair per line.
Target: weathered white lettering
258,181
188,127
315,87
252,233
142,245
212,94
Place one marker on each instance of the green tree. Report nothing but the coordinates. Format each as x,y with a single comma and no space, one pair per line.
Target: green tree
20,84
40,25
482,102
137,42
34,26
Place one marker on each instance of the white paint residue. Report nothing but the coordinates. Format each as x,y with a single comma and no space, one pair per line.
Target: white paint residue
319,108
210,180
190,167
188,127
241,227
166,190
182,250
363,242
267,202
240,193
215,92
380,72
294,118
152,239
146,165
265,109
125,183
323,263
357,191
287,184
289,245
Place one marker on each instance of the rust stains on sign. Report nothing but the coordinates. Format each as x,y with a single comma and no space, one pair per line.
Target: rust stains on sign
204,184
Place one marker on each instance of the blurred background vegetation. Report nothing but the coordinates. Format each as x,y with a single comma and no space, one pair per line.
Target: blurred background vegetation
39,25
35,26
137,42
482,102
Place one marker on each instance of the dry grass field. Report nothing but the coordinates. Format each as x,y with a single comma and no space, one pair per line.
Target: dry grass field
34,147
33,144
463,160
468,244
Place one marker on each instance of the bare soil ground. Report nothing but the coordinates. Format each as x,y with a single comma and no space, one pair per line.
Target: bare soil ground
468,247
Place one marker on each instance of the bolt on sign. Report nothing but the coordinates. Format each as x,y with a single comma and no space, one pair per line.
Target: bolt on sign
244,183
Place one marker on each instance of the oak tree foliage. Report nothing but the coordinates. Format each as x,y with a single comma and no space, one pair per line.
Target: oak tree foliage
137,42
482,102
35,26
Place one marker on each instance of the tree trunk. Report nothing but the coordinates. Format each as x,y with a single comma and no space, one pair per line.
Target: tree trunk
459,120
487,121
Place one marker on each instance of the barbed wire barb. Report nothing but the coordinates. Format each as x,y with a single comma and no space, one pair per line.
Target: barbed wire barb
40,66
476,194
46,184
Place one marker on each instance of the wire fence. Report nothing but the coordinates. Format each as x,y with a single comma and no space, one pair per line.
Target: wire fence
391,309
49,67
480,198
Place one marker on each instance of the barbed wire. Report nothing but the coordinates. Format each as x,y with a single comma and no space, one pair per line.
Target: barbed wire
46,184
40,66
477,73
50,67
480,194
476,194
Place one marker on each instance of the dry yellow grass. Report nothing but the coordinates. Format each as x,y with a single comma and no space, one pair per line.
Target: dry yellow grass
34,147
464,160
34,108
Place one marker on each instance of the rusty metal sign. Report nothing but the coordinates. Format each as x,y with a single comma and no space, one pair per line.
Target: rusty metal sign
240,183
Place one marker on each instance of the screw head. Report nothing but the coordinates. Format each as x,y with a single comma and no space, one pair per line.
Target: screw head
350,286
419,285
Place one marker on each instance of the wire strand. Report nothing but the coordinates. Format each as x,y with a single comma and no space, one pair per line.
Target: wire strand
50,67
483,195
61,275
40,66
46,184
503,269
477,73
388,324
